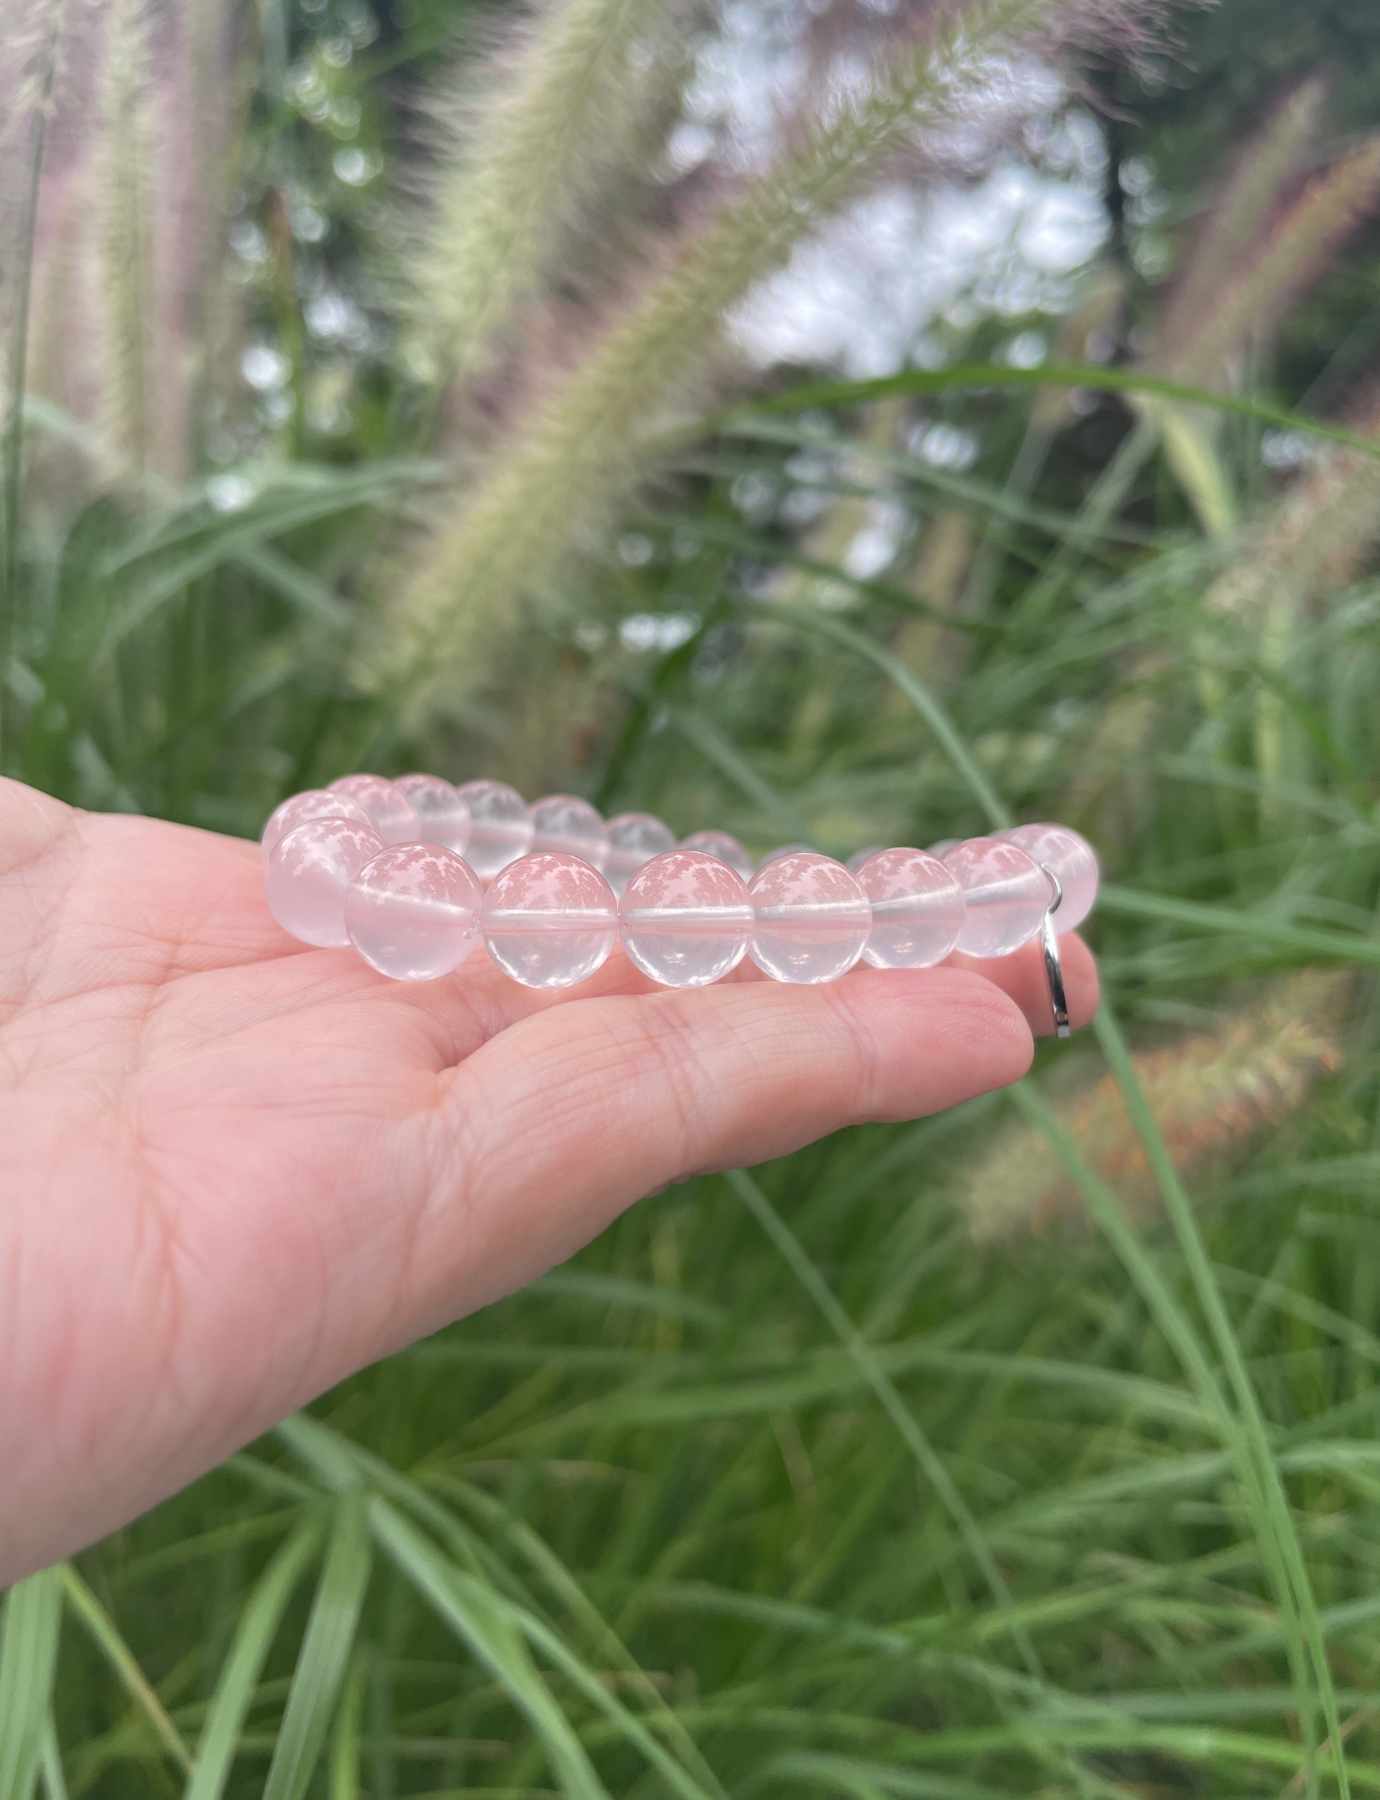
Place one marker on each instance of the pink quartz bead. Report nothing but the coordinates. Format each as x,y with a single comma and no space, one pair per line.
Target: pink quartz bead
442,816
788,850
412,911
500,826
686,918
549,920
388,807
1073,861
917,909
308,875
811,919
315,803
634,839
725,846
1005,893
563,822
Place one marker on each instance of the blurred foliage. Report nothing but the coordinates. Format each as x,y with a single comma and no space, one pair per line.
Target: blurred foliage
786,1486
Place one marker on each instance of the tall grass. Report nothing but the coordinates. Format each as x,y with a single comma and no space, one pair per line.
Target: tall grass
844,1477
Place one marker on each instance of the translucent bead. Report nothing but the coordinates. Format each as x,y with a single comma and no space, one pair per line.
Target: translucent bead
412,912
943,846
389,809
550,920
563,822
442,816
917,909
1072,859
725,846
315,803
634,839
788,850
500,827
686,918
1005,895
859,857
811,919
308,876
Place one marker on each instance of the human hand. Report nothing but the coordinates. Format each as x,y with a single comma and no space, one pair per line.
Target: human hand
233,1169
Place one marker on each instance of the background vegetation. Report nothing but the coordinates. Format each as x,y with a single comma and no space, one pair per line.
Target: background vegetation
392,385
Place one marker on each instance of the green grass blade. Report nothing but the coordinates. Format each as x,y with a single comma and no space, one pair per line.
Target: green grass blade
28,1659
259,1621
325,1653
931,1466
1100,377
484,1622
106,1635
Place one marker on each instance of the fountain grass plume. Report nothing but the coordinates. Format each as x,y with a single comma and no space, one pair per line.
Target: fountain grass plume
519,141
585,443
1230,226
122,165
1288,257
1214,1093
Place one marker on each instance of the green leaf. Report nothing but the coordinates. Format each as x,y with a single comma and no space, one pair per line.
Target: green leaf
28,1658
263,1610
325,1653
122,1660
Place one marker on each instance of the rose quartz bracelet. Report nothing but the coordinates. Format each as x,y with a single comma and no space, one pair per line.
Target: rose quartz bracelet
413,872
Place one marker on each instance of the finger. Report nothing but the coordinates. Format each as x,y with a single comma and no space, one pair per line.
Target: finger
556,1125
1022,976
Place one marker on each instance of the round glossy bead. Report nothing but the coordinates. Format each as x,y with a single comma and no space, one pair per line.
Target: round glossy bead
500,826
315,803
412,912
389,809
442,816
549,920
1073,861
788,850
634,839
811,919
917,909
686,918
563,822
308,876
725,846
1005,894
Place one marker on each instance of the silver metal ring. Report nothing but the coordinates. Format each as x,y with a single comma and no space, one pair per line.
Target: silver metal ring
1054,968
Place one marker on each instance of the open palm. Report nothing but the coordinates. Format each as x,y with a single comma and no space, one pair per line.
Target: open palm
233,1169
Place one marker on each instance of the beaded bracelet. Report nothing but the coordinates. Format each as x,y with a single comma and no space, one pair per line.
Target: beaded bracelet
412,872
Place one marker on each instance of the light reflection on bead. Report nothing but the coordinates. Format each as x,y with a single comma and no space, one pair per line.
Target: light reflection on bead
442,816
389,809
917,909
308,876
571,825
686,918
549,920
723,845
412,912
1074,863
314,803
1006,895
788,850
811,918
634,839
500,826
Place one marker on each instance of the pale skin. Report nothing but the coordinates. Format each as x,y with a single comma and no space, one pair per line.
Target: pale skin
233,1169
